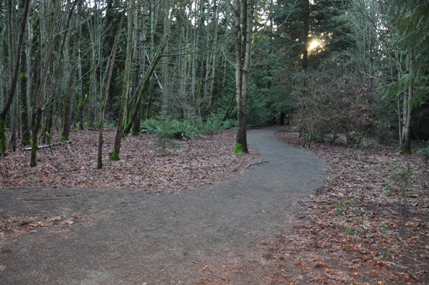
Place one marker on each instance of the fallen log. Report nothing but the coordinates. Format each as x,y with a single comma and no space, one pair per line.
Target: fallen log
49,145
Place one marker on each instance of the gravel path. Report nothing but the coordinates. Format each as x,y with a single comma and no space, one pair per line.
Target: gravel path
213,236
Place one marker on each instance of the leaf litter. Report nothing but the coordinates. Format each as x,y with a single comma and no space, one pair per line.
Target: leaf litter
365,226
199,162
360,228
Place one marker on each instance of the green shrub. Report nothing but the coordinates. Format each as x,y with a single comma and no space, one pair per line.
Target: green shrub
404,151
149,126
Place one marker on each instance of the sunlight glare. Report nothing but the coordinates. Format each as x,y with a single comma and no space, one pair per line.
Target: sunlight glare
314,45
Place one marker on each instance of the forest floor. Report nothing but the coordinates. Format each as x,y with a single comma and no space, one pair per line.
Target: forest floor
66,222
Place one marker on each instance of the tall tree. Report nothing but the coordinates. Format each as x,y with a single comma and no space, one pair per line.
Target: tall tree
23,83
243,12
106,95
12,88
127,86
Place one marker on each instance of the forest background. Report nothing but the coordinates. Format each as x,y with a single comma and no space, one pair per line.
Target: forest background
350,71
353,68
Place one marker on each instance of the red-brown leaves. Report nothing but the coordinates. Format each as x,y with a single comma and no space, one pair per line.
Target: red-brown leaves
199,162
361,228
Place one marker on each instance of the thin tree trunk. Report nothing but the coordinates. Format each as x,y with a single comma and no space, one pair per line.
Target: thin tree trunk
126,86
145,85
244,26
165,62
47,53
213,61
3,114
68,73
80,95
306,16
23,82
407,109
106,96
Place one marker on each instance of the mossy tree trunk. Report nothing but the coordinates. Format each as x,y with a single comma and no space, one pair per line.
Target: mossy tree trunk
243,27
23,81
144,86
11,93
126,86
3,139
106,95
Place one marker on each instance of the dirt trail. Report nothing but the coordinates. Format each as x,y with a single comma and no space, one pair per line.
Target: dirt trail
214,236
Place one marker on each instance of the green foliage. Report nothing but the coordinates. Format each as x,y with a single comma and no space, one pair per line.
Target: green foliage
114,156
229,124
239,148
150,125
405,151
213,125
3,144
64,138
164,141
187,129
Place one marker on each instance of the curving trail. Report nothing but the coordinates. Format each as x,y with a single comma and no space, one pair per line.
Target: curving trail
213,236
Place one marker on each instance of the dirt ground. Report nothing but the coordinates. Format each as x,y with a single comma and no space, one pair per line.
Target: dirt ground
215,235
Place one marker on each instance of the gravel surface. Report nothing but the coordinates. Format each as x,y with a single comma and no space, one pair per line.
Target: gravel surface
216,235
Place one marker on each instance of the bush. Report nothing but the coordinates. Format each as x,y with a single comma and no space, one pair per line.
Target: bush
332,101
149,126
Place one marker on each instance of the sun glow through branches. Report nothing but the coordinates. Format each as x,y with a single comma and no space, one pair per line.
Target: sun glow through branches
314,45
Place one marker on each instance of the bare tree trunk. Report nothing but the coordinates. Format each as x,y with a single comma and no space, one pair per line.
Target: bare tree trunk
244,26
82,98
106,96
49,39
214,56
306,4
23,82
3,114
165,61
145,85
407,109
127,84
68,72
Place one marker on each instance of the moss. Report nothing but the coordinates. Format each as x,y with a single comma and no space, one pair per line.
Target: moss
114,156
239,148
239,108
64,138
3,145
405,151
135,133
26,142
22,76
33,157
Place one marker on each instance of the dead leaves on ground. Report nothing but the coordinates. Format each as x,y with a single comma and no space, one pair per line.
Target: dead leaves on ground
15,225
198,163
360,228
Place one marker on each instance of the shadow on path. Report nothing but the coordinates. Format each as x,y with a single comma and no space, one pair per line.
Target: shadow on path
129,237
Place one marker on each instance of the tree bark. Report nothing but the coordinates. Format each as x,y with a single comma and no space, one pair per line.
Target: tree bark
106,95
145,84
407,108
3,114
126,85
244,25
23,82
